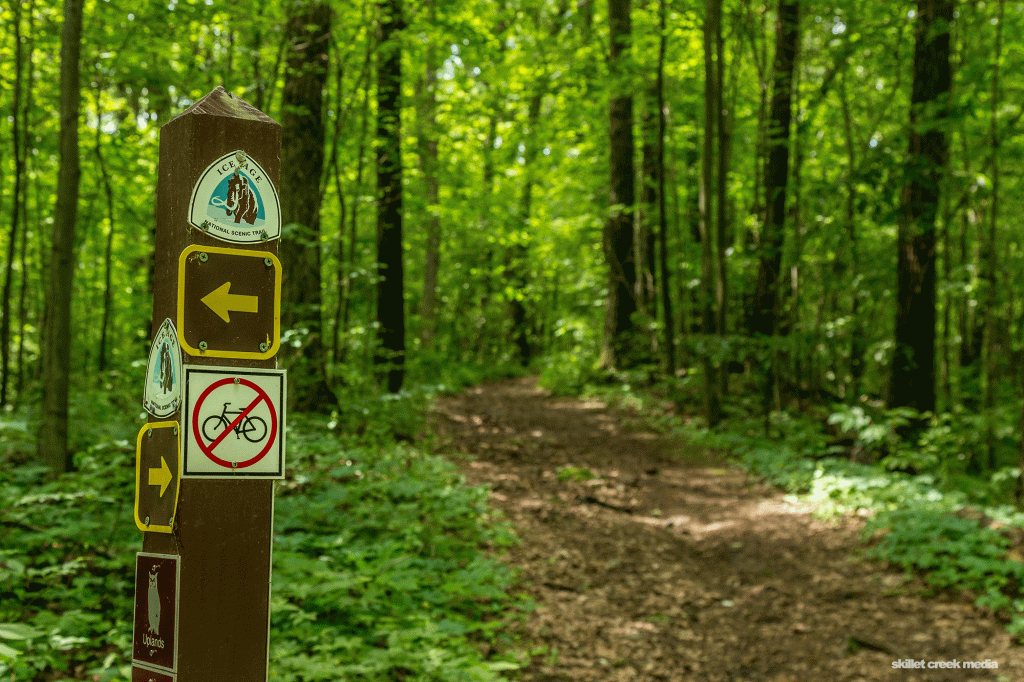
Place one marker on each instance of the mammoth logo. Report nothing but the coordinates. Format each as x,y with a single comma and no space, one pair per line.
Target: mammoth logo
235,200
241,199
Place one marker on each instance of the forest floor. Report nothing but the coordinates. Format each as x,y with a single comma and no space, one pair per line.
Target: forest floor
672,564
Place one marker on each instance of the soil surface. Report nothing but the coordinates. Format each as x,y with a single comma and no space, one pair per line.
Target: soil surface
650,560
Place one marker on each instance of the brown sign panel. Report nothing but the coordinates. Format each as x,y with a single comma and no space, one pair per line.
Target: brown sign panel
155,641
229,302
157,469
140,674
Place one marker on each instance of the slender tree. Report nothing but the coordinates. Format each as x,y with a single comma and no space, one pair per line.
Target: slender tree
308,31
19,189
618,229
647,207
53,433
668,324
518,255
390,270
913,363
429,166
776,175
108,252
712,97
990,352
723,137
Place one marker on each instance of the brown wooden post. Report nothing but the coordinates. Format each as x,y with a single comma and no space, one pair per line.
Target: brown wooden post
216,435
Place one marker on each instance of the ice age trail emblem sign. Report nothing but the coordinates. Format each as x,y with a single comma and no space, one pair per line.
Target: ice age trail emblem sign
162,396
235,201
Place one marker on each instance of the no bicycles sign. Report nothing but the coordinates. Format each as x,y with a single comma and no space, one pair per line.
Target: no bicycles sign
233,423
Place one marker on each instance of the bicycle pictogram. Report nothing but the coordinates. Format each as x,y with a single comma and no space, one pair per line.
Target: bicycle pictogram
252,427
232,422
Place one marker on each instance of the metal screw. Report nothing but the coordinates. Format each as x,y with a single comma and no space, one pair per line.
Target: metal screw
234,465
263,347
150,433
202,256
202,345
269,263
205,226
236,380
147,520
263,235
175,430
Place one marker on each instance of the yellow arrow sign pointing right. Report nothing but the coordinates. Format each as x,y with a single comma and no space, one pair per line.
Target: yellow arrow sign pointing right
223,302
161,477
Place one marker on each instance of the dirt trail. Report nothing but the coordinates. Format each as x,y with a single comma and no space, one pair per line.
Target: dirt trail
673,565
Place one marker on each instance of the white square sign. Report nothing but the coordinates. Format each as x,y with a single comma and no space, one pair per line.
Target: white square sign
233,423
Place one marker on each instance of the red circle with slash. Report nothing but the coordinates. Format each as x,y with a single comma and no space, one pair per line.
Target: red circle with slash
261,396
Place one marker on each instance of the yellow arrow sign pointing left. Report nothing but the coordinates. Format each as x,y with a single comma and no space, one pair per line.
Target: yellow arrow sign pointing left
223,302
161,477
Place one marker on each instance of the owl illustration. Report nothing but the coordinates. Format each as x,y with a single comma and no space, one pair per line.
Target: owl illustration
154,603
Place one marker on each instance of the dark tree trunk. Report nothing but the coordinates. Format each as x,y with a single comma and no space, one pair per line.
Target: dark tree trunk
990,363
19,179
56,352
723,135
308,34
390,298
777,168
712,98
856,332
26,138
518,256
913,365
618,230
668,324
776,175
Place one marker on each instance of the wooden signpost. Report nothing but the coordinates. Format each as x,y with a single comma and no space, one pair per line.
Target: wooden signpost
207,461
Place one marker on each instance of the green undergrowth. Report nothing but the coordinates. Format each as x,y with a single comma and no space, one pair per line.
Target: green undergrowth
924,513
384,560
380,571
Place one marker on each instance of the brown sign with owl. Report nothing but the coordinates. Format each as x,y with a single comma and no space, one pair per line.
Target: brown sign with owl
154,642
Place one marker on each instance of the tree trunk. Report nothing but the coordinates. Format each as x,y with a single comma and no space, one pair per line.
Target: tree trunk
668,324
518,255
345,293
913,365
722,135
19,179
991,351
26,139
108,251
856,334
776,172
308,33
776,176
56,352
645,230
618,229
429,167
390,299
344,266
712,27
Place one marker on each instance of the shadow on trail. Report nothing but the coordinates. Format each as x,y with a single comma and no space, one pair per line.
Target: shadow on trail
649,561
